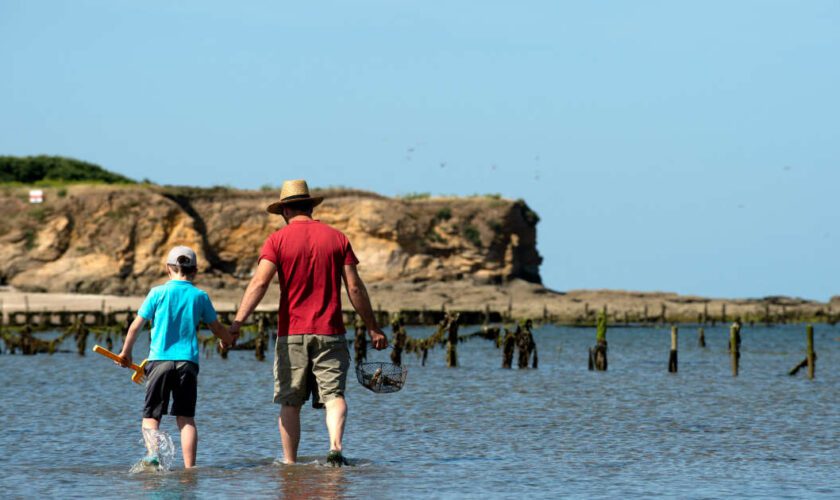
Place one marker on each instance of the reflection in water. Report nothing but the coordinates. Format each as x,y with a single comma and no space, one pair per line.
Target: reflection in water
182,484
311,481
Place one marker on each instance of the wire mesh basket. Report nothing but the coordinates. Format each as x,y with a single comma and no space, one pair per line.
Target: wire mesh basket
381,378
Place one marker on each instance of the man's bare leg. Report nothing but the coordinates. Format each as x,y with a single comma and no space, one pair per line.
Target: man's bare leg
189,440
336,416
289,423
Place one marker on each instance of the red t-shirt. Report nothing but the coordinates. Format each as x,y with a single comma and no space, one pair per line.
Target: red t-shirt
309,257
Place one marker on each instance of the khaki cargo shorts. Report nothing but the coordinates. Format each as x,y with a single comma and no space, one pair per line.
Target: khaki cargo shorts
310,363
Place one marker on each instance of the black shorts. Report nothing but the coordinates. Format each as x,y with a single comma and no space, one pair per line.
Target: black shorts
178,378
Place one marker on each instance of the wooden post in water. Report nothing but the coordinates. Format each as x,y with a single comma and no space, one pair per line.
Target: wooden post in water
701,337
810,355
535,361
723,313
521,346
43,320
452,342
81,337
598,354
705,313
735,347
672,359
525,343
508,346
261,341
663,313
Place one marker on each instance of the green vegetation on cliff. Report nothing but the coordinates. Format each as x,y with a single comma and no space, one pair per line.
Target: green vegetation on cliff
54,170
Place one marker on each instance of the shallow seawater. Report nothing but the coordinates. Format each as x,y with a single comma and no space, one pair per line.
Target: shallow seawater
71,425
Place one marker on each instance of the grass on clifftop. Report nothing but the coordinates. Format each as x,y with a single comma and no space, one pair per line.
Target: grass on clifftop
54,171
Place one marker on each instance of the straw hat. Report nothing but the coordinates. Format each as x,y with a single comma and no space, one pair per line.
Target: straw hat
293,192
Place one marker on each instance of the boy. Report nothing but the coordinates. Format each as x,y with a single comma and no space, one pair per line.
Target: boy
175,310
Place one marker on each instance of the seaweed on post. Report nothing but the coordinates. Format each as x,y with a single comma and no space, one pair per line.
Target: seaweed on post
598,354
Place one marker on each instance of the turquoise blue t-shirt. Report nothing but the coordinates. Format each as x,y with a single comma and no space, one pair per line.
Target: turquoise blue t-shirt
175,310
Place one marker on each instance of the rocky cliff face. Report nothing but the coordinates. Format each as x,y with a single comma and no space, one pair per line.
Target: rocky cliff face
107,239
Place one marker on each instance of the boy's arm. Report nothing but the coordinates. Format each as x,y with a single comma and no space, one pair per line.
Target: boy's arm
221,332
128,346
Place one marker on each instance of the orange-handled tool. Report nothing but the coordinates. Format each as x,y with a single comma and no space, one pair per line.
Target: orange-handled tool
139,370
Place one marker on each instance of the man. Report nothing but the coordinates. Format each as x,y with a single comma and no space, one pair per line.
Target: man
311,259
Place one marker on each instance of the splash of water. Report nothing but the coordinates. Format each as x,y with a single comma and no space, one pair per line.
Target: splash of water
160,452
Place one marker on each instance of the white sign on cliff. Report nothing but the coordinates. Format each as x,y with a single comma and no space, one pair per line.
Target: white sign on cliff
36,196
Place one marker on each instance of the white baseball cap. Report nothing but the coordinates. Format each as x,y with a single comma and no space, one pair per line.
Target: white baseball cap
182,251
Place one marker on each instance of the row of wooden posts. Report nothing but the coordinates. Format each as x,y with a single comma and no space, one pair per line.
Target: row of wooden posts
446,335
598,353
521,338
768,315
45,319
256,337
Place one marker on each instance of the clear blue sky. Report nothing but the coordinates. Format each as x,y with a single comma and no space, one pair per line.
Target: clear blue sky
682,146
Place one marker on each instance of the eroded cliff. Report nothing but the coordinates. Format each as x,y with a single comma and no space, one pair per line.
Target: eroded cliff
113,239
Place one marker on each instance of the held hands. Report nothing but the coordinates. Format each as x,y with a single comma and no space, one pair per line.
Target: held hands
378,340
230,343
233,331
232,336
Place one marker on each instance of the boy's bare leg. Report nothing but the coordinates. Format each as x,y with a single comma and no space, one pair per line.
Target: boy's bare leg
153,424
336,416
189,440
289,423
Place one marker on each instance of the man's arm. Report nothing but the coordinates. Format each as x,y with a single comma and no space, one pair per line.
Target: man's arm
361,303
254,293
130,338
